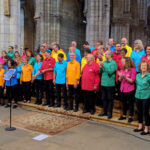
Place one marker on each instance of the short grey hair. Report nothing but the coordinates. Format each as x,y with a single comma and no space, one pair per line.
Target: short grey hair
110,53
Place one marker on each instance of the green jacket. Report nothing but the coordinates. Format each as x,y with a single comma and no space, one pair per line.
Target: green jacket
32,61
108,73
11,55
142,86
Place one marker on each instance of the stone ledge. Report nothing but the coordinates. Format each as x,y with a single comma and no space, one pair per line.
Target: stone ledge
79,114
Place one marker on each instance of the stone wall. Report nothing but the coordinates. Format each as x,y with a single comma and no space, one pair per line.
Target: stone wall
10,25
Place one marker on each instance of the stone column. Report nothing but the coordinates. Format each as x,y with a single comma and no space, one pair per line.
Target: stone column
10,25
97,13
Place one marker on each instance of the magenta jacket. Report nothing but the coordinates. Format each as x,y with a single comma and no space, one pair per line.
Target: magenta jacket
125,86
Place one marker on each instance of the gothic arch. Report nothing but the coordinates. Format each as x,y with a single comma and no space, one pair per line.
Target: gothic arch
28,7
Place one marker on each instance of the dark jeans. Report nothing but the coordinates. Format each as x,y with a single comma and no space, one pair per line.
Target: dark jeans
108,99
58,92
89,100
26,90
143,109
39,90
73,92
49,87
128,102
11,93
19,91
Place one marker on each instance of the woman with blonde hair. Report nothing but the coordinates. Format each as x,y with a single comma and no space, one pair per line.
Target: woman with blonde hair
138,53
127,77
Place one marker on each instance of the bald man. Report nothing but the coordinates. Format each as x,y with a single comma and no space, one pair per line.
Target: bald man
89,83
124,43
108,72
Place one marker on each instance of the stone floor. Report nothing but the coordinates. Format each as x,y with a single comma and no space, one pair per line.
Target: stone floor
83,135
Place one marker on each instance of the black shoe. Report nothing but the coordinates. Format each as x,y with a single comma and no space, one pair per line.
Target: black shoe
138,130
39,103
92,112
3,104
122,118
144,133
65,108
51,105
76,110
130,120
15,106
36,102
8,105
85,111
102,114
45,104
58,105
109,116
70,108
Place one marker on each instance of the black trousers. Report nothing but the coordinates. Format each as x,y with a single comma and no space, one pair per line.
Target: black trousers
143,109
1,92
128,102
49,87
73,92
62,87
108,98
39,89
19,91
26,90
11,93
117,90
89,100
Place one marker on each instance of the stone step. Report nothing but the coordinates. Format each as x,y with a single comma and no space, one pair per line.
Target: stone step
79,114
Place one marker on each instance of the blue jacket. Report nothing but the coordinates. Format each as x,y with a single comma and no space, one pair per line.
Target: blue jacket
19,70
36,69
13,80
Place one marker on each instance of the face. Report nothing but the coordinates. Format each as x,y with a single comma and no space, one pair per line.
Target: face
98,44
144,67
85,46
25,61
72,56
148,50
9,64
10,49
60,59
73,44
123,54
136,45
28,54
118,47
88,59
123,62
38,58
42,48
55,48
85,54
3,54
1,66
107,55
16,55
47,54
111,42
123,41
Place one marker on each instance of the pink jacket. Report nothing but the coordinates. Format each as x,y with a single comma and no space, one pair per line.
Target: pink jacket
90,77
125,86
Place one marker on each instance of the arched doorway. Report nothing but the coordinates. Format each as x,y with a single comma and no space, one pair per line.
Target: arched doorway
27,23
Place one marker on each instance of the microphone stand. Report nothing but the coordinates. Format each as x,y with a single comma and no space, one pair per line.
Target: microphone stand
10,128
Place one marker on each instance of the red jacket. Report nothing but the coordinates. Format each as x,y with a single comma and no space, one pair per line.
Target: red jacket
48,64
90,77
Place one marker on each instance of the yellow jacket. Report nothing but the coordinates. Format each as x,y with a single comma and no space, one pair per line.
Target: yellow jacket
55,54
129,50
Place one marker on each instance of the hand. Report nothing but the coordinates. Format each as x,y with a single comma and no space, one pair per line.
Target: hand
101,64
43,71
95,88
67,85
75,85
54,81
3,86
34,77
20,82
